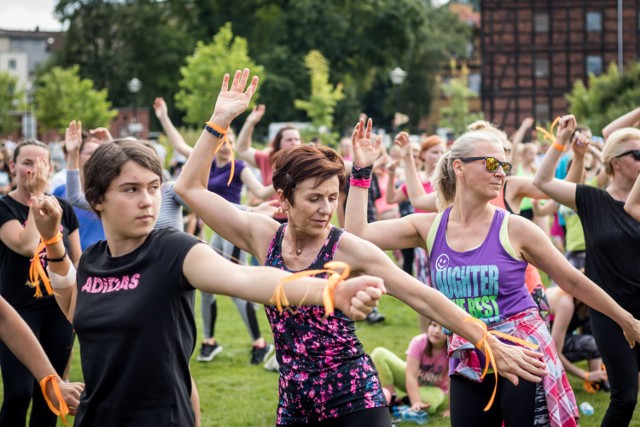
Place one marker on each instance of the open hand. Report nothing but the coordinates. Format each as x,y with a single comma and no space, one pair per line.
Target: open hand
102,134
366,148
73,136
514,362
358,296
233,101
38,179
256,114
402,140
160,108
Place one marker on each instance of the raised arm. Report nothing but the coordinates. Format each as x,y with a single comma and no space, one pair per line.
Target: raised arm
202,266
400,232
255,186
243,144
632,205
561,191
23,238
393,194
417,195
517,139
628,120
47,214
72,140
240,228
174,137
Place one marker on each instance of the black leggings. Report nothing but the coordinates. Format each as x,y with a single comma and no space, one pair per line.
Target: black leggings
374,417
54,333
513,405
622,365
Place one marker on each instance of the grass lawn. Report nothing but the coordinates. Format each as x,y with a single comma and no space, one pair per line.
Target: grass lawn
234,393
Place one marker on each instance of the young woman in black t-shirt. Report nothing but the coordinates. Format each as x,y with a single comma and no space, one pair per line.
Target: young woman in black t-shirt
19,239
130,302
612,239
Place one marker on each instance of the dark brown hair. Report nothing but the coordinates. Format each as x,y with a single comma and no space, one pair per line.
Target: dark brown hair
35,142
105,165
277,140
292,166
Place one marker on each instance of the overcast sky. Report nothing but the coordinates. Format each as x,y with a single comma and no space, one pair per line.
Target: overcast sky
27,14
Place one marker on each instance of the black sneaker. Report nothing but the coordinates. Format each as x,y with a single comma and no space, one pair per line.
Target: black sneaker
259,355
208,352
375,317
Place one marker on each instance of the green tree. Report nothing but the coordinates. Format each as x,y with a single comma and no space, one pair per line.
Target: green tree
606,97
62,95
323,98
11,100
456,116
204,70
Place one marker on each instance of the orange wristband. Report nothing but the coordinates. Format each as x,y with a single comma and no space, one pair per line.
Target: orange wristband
62,410
218,129
558,147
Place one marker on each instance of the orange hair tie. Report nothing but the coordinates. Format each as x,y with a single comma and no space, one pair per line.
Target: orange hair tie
279,298
36,271
549,134
63,410
489,353
225,140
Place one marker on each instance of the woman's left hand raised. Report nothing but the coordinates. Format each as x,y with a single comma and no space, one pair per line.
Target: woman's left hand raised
235,100
366,148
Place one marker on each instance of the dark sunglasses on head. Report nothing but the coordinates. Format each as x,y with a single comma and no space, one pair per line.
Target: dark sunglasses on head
490,163
634,153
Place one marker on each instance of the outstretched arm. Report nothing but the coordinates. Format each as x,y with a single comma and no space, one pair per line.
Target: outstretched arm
561,191
628,120
174,137
243,229
632,205
536,248
202,266
511,361
243,144
417,195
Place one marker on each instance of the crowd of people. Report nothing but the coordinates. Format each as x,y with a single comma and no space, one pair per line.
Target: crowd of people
110,252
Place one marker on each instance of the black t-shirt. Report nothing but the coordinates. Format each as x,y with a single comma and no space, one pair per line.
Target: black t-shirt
613,245
136,330
14,268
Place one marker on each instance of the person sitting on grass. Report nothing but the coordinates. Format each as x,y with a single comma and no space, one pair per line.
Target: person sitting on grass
424,376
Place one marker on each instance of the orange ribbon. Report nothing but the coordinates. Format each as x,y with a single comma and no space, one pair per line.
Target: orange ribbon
279,298
549,134
36,271
63,410
225,140
489,353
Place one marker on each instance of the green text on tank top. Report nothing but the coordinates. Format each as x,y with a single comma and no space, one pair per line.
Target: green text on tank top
504,235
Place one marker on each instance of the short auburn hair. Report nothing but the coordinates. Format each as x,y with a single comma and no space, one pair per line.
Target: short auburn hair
292,166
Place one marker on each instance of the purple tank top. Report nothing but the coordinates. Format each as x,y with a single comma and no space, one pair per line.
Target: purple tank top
487,282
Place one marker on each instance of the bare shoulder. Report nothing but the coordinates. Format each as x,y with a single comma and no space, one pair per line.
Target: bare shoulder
422,222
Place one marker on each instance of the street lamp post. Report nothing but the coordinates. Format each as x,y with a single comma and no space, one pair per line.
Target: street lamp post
134,87
397,76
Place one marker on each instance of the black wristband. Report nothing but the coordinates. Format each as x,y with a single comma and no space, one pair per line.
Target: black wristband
361,172
57,259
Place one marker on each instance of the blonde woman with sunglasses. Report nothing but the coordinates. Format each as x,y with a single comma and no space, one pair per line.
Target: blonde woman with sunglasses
478,255
612,239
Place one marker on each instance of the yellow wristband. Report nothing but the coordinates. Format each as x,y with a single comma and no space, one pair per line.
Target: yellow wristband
559,147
